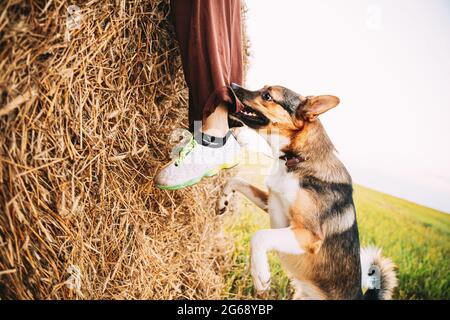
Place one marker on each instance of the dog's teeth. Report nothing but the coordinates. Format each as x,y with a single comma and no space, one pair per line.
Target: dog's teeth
249,113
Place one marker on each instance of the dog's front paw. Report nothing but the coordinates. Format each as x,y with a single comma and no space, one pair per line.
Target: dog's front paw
224,202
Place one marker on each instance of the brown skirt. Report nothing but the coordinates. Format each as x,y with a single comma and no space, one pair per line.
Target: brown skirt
210,40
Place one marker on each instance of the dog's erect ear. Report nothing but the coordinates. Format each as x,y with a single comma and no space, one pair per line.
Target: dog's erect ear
316,105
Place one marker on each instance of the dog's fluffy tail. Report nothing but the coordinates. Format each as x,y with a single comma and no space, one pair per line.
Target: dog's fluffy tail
378,274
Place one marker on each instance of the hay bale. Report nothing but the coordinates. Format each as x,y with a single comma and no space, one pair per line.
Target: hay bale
86,107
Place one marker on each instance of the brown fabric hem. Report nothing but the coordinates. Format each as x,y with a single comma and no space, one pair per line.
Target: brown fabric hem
221,95
210,37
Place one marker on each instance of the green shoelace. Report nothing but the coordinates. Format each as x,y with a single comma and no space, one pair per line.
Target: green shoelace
185,151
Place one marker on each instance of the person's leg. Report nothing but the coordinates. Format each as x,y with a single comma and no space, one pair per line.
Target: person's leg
216,124
209,35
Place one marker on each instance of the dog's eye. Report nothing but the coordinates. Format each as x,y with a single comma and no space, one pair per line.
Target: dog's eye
266,96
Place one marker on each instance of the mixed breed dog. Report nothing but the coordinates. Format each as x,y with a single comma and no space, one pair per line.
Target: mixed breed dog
309,201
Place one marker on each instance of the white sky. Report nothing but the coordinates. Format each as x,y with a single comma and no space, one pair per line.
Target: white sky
388,62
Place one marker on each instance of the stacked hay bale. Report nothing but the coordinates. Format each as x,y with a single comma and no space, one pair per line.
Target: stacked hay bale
88,99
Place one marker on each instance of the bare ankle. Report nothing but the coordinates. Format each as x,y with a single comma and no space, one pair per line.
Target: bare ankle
217,123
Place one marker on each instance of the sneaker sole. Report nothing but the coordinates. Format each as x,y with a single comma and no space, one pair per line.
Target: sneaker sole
209,173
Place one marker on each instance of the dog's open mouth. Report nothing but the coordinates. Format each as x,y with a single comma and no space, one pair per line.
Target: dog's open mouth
251,117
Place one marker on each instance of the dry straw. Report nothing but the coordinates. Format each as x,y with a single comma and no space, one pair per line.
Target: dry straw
86,107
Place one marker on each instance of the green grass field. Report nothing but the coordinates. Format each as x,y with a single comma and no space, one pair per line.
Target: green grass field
416,238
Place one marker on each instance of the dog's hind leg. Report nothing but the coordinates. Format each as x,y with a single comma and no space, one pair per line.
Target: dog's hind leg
263,241
289,240
258,196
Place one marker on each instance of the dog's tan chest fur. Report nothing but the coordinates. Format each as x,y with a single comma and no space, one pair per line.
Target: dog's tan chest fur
287,202
283,187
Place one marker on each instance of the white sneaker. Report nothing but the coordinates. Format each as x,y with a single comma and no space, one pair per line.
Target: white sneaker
250,139
196,161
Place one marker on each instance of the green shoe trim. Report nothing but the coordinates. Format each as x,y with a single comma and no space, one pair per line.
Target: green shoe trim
209,173
186,150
